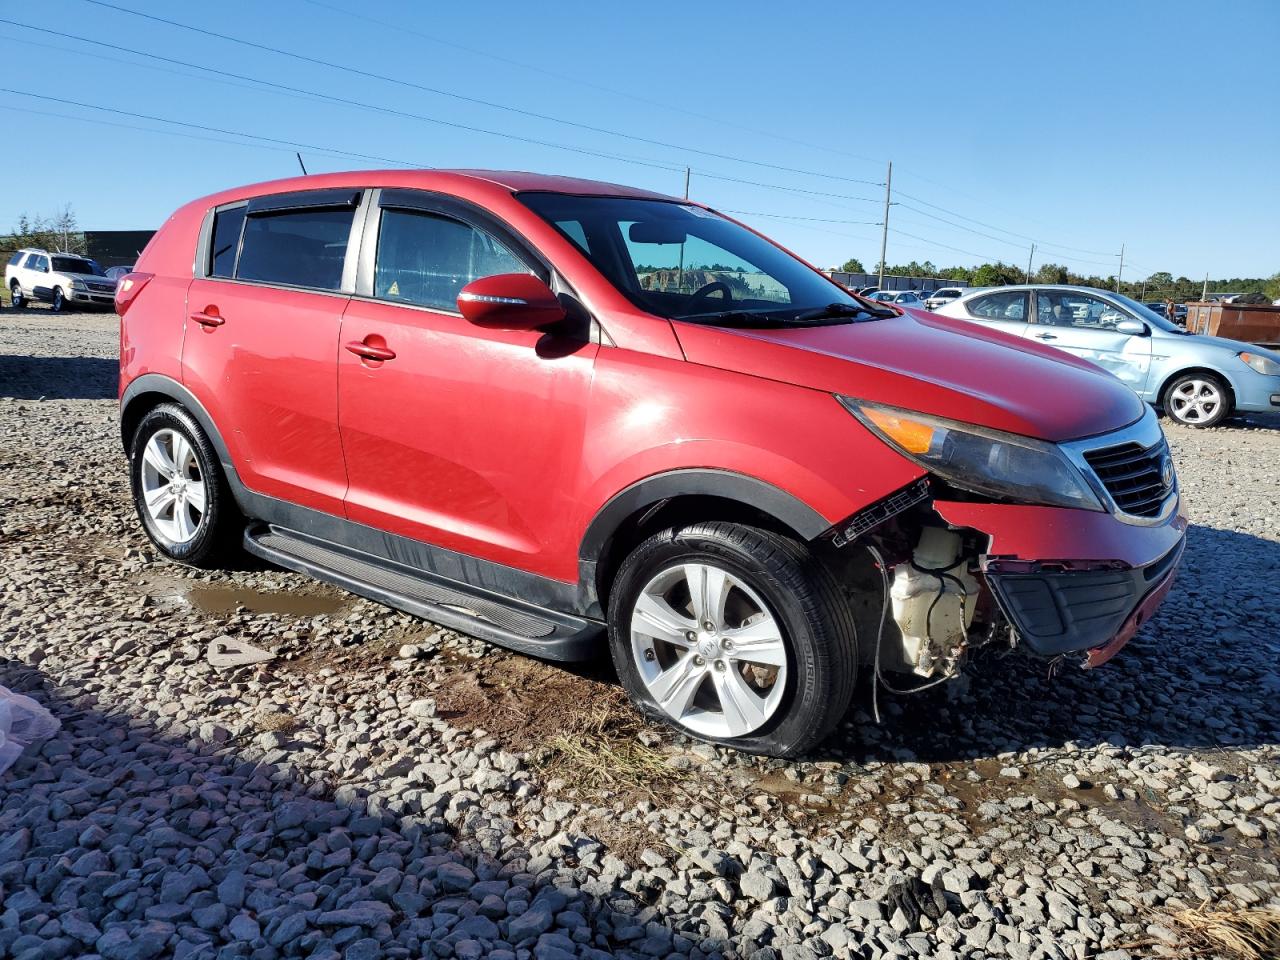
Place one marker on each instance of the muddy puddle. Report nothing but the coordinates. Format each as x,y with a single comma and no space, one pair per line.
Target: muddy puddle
224,599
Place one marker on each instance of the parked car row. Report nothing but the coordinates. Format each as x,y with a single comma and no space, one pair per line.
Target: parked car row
60,279
456,393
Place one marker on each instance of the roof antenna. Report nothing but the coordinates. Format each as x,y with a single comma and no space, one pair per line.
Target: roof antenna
301,164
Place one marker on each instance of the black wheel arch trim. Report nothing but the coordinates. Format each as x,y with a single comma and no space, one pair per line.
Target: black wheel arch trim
158,383
707,482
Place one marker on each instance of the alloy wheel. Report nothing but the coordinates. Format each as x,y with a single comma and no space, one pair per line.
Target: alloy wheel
708,650
173,488
1195,401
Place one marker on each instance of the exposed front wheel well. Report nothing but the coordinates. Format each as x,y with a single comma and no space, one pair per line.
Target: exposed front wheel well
675,512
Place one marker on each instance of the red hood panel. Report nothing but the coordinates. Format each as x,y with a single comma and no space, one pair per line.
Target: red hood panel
932,364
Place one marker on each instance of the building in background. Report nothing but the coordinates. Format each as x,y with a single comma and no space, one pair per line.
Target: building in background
856,281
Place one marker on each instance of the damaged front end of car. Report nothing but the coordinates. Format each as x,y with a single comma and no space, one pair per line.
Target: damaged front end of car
1060,550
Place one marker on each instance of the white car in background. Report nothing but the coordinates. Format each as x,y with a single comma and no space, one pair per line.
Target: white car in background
943,295
899,298
59,279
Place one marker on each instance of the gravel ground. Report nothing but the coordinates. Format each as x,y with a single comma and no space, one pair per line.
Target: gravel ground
386,788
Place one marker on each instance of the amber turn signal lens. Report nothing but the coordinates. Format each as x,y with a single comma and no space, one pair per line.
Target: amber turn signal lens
911,435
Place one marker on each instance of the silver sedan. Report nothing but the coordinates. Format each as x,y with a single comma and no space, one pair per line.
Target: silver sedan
1198,380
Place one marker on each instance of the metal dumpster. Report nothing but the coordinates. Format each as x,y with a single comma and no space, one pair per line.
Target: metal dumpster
1252,323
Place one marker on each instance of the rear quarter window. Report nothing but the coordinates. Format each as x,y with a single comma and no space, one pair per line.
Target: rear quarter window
13,261
226,241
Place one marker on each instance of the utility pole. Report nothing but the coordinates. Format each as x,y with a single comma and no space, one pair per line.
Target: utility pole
686,183
1030,256
884,236
1121,269
1204,293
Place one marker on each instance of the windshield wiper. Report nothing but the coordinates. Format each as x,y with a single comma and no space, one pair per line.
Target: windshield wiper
840,310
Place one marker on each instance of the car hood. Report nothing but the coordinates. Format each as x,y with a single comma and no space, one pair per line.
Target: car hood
931,364
1200,341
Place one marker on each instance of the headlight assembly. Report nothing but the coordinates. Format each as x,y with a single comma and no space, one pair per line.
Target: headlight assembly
1264,365
975,458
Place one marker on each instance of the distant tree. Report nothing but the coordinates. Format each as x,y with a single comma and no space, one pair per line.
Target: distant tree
997,275
57,232
1272,287
1052,273
853,265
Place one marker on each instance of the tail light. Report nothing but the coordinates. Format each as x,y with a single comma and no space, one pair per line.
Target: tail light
128,288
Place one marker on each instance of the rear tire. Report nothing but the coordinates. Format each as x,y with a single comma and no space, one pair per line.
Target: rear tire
734,635
179,490
1197,400
16,300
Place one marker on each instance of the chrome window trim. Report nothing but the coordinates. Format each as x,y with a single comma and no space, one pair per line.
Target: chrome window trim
1146,433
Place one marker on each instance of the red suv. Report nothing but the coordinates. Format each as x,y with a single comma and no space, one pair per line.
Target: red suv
559,414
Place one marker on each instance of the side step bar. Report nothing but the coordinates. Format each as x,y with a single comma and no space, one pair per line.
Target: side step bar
520,626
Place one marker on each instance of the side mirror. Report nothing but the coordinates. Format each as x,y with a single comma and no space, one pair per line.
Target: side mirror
1134,328
509,301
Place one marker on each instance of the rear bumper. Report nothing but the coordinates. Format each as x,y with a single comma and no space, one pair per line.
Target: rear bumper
1073,581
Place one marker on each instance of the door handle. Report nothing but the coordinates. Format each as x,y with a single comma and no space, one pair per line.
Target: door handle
1046,336
370,352
208,317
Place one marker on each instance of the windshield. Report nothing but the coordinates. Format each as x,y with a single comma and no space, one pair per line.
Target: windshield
686,263
1149,315
76,265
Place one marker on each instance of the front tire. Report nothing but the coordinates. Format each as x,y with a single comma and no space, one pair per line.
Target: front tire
734,635
1197,400
59,300
179,489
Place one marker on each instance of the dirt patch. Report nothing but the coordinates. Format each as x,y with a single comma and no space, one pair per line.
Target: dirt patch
526,702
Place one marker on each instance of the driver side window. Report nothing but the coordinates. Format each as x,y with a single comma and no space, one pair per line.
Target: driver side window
1063,308
686,268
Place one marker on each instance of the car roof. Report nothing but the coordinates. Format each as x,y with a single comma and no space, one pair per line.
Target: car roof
1064,287
444,181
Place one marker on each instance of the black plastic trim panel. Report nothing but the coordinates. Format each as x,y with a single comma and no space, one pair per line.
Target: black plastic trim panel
1070,611
305,199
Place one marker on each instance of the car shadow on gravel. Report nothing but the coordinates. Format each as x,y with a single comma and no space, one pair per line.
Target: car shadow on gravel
1204,673
58,378
153,838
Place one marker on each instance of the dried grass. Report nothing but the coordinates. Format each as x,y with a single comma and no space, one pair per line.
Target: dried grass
1251,934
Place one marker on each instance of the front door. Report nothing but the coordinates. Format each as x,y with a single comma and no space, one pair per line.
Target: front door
261,343
1085,324
461,437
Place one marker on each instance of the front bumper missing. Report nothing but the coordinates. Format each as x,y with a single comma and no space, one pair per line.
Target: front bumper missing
1062,611
1090,606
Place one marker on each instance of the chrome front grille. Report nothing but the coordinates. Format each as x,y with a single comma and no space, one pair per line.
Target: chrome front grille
1139,479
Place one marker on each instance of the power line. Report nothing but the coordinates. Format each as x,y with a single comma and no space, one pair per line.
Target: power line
991,226
292,145
437,91
424,118
580,81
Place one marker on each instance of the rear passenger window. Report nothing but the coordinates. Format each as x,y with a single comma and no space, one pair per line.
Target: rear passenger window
426,260
13,261
226,241
1000,306
299,248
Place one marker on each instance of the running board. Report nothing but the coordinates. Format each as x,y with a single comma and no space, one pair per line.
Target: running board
510,623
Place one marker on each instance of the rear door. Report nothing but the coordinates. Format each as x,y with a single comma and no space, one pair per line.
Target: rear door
466,438
1084,324
1006,310
261,339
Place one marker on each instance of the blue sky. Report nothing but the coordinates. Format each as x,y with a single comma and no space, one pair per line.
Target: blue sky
1078,125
